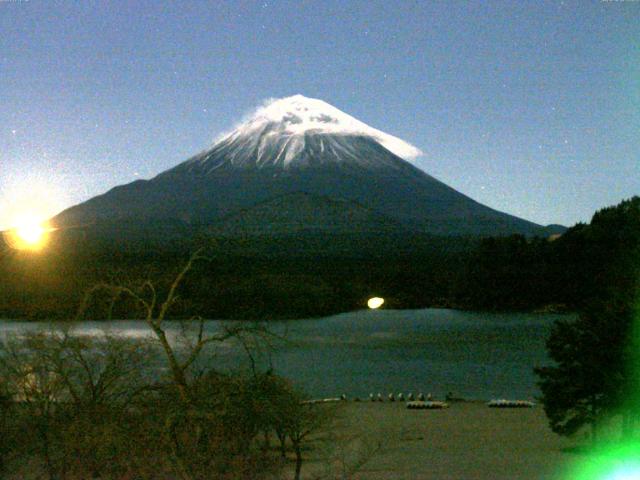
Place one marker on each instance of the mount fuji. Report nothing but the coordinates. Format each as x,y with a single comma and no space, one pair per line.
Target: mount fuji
297,164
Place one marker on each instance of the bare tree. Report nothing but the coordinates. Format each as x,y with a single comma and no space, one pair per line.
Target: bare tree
348,454
37,389
190,413
299,420
5,411
72,393
155,310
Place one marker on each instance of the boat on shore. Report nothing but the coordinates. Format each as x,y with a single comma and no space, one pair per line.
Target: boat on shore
503,403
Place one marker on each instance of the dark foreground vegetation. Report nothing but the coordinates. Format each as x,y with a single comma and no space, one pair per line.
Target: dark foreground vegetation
310,274
595,379
75,407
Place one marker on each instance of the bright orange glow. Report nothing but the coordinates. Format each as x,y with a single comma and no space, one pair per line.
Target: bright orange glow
27,200
28,233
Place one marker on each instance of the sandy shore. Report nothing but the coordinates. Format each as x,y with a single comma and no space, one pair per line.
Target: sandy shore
465,442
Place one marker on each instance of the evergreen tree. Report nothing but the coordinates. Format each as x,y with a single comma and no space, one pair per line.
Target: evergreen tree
597,357
593,377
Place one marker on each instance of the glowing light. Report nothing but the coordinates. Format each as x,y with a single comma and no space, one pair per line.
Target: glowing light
611,462
625,472
28,233
27,200
375,302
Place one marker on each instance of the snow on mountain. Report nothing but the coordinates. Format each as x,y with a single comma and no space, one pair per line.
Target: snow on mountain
287,121
299,163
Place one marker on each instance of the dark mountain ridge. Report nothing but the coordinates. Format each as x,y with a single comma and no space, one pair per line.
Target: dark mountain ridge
210,187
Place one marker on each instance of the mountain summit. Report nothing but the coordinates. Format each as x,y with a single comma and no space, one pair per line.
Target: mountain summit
294,132
298,164
297,115
294,117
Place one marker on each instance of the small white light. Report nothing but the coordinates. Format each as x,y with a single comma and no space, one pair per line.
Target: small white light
375,302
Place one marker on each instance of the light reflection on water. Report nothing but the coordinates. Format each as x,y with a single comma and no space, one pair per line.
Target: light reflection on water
475,355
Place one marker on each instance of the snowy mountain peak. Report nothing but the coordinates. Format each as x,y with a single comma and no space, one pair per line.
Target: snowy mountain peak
295,165
293,117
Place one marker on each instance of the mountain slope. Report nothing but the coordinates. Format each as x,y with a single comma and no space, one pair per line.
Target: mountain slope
301,213
300,146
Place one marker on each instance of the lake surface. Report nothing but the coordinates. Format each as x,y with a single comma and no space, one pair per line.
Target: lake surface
473,355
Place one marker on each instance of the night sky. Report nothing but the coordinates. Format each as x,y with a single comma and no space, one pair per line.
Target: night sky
530,107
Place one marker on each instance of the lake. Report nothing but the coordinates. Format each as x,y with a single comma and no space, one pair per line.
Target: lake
474,355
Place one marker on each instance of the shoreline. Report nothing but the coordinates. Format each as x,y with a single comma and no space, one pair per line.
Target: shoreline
466,441
545,310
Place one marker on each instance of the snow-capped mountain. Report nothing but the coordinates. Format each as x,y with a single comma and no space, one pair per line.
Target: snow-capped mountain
305,159
292,117
294,132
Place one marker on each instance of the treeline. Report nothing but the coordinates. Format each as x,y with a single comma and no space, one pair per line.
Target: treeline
249,278
309,274
568,272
